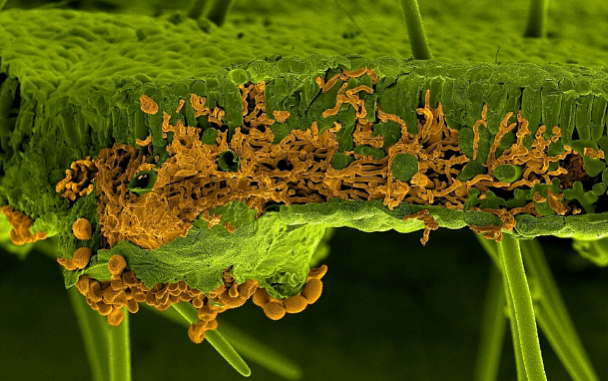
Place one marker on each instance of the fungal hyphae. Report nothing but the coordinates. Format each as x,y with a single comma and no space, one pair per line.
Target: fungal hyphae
188,160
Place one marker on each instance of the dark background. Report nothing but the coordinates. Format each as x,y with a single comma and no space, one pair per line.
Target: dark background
391,310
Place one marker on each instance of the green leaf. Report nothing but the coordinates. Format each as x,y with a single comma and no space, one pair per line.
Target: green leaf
142,182
209,136
367,150
586,199
492,201
405,166
472,169
261,249
341,160
236,212
391,131
229,161
508,173
238,76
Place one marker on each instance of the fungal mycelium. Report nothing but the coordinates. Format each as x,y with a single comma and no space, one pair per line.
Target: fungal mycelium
180,176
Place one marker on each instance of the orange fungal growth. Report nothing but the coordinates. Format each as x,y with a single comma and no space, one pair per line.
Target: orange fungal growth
592,153
209,312
555,202
229,227
196,332
148,105
274,310
213,220
180,105
95,291
117,264
212,325
124,289
330,83
82,229
129,278
539,198
356,73
78,180
132,306
508,219
83,284
314,287
144,142
280,116
429,223
476,136
20,233
298,169
312,290
197,302
295,304
104,309
82,256
489,232
248,288
318,272
320,82
231,294
373,74
115,317
117,283
66,263
261,297
300,165
494,232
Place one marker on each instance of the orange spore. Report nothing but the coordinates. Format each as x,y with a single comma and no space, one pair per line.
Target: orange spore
82,229
148,105
21,223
